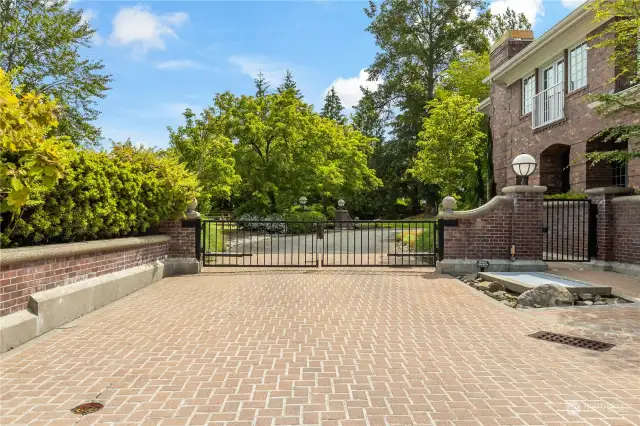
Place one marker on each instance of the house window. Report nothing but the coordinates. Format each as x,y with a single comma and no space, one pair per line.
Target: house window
578,67
619,174
528,89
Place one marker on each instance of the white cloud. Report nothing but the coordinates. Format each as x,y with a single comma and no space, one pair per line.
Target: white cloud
88,15
530,8
572,4
349,88
179,64
250,65
143,30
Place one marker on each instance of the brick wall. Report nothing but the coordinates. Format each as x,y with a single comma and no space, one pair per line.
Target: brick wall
486,237
489,231
19,280
183,237
513,135
626,230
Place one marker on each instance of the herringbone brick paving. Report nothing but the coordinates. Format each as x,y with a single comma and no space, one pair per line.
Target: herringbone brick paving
333,348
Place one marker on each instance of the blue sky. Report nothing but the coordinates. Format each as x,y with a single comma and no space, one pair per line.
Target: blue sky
168,55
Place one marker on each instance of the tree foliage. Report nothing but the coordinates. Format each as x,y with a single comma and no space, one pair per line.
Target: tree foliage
509,20
288,83
40,46
619,37
449,143
465,75
281,150
333,108
202,146
28,157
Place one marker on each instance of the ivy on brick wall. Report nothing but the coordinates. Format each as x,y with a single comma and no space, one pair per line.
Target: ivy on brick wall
120,193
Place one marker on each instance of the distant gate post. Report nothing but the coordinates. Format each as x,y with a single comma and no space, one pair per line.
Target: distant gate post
184,247
506,232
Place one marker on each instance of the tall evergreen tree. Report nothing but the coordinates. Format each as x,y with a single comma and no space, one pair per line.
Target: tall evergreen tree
333,107
288,83
262,85
40,48
509,20
367,118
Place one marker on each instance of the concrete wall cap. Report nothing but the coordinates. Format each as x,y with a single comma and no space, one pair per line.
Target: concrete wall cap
627,199
520,189
483,210
609,190
29,254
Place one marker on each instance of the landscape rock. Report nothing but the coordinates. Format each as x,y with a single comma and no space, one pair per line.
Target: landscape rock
546,295
611,301
597,298
509,303
586,297
599,302
469,277
499,295
584,303
493,286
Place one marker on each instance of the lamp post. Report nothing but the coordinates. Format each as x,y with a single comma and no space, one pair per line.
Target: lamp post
341,204
302,200
524,165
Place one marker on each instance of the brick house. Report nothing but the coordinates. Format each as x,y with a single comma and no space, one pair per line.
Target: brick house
539,105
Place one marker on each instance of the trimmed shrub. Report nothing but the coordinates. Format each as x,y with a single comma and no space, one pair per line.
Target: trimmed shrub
122,193
567,196
306,221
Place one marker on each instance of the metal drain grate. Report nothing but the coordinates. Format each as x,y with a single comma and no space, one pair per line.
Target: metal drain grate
578,342
87,408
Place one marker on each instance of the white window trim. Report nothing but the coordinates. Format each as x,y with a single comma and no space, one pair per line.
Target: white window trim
586,67
553,63
533,93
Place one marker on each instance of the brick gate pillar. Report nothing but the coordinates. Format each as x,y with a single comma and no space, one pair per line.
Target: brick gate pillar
528,220
605,229
183,255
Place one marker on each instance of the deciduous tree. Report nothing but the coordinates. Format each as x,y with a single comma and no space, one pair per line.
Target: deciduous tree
41,45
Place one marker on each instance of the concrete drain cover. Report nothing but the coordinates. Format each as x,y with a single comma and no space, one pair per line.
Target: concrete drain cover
577,342
87,408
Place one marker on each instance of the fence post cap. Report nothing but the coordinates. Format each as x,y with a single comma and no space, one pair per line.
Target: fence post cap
448,203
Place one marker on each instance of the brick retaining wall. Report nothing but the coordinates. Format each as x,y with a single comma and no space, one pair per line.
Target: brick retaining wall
626,229
22,278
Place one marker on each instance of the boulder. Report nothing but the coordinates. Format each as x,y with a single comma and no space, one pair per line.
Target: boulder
509,303
599,302
597,298
469,277
584,303
611,301
586,297
498,295
546,295
493,286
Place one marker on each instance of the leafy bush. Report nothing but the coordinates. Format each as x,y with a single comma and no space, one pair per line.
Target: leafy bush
567,196
104,195
306,221
416,240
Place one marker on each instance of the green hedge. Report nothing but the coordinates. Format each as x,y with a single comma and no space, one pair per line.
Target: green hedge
306,216
567,196
120,193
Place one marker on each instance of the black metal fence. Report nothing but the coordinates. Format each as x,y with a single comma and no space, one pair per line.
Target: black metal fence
569,231
303,243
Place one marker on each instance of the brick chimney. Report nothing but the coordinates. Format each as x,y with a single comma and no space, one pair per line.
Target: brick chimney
508,46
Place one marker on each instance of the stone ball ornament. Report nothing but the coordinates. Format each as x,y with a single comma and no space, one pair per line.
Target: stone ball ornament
341,203
302,200
448,204
524,165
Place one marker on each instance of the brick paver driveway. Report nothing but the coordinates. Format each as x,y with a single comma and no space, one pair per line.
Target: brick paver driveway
307,347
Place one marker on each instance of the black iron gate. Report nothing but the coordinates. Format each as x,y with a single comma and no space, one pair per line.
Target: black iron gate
302,243
569,231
